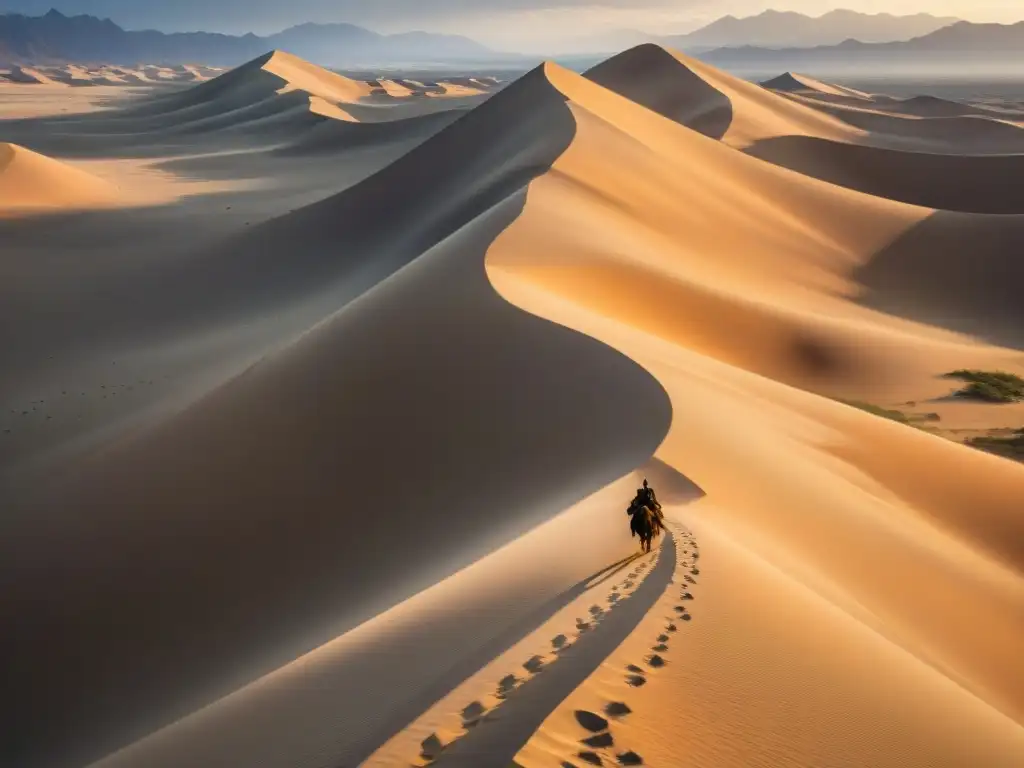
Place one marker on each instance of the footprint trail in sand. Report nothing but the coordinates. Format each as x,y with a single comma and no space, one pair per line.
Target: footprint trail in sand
599,744
495,722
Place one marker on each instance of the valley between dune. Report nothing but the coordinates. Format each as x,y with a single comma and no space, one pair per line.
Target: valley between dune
317,453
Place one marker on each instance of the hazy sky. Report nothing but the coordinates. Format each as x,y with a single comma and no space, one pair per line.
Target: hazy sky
509,23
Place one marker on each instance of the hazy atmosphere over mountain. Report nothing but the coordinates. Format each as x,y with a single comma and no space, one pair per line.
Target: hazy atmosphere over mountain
524,24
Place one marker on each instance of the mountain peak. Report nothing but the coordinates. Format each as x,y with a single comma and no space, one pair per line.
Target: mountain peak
55,37
789,29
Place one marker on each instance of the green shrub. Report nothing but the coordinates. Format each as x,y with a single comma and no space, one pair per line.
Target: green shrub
1010,447
990,386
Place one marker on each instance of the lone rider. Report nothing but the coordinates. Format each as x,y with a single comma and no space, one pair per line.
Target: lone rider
645,498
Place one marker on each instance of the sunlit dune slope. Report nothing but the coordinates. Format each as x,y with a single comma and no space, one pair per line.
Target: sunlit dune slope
30,182
875,532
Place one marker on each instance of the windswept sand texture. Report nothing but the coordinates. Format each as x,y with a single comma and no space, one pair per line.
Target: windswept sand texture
339,471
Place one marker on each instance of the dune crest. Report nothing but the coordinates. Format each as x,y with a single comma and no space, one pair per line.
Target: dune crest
792,82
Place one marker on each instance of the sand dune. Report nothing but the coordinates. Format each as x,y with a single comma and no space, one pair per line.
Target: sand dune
577,283
891,155
792,82
30,182
272,100
710,101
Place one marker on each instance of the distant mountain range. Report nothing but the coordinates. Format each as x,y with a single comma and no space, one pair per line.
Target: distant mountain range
772,29
778,29
961,47
56,38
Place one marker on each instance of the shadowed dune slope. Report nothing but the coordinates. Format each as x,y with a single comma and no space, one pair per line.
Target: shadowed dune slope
969,183
933,106
334,135
475,439
30,182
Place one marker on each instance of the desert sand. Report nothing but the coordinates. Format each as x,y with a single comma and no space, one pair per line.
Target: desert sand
320,456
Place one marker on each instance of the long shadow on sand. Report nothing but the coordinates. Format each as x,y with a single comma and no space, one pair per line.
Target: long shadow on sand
523,712
473,661
339,476
962,272
968,183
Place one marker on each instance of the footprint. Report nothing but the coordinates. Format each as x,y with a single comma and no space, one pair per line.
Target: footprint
660,648
534,665
630,758
589,757
471,715
431,747
507,685
656,661
591,721
599,741
559,642
686,617
636,680
628,585
687,596
680,609
691,580
617,709
582,626
662,638
695,571
614,597
671,628
596,611
634,668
